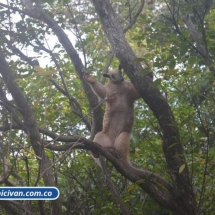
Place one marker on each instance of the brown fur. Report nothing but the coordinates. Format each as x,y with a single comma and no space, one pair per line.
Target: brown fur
119,96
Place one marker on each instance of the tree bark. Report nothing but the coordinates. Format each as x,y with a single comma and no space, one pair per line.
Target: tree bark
38,13
32,130
177,197
182,192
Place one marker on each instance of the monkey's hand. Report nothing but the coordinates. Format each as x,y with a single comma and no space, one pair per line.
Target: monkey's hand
89,78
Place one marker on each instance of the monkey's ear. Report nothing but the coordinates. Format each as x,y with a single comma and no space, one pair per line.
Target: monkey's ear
106,75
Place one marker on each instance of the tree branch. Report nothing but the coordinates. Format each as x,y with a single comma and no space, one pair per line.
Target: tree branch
131,173
31,126
134,19
202,49
38,13
113,189
14,208
172,147
196,44
10,108
75,106
89,145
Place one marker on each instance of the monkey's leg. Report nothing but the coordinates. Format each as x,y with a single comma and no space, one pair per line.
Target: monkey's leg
122,146
104,140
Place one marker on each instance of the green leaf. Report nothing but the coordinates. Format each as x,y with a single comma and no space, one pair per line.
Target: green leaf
51,72
40,70
151,161
145,71
131,187
172,145
157,82
172,63
171,72
192,60
43,72
181,168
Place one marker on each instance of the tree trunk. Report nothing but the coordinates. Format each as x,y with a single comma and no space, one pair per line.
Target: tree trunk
31,128
182,192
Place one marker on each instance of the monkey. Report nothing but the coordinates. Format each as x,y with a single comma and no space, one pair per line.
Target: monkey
119,96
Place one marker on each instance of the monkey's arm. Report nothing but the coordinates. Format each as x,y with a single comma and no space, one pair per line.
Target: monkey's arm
97,88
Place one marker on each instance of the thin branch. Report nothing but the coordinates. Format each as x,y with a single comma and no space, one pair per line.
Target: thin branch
16,50
78,35
38,13
31,125
195,35
13,208
16,9
127,170
76,108
25,158
41,207
112,187
206,131
89,145
199,47
174,21
152,96
11,108
112,54
134,19
28,4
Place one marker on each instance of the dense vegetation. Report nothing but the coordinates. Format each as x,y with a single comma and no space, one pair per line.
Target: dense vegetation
49,114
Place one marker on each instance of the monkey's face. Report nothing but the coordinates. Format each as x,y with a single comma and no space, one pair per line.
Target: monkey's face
115,76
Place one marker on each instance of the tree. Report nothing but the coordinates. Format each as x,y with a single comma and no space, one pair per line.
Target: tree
44,109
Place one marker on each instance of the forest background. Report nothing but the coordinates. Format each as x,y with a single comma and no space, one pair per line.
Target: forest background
49,114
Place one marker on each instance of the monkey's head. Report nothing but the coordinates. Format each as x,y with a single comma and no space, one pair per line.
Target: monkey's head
115,76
